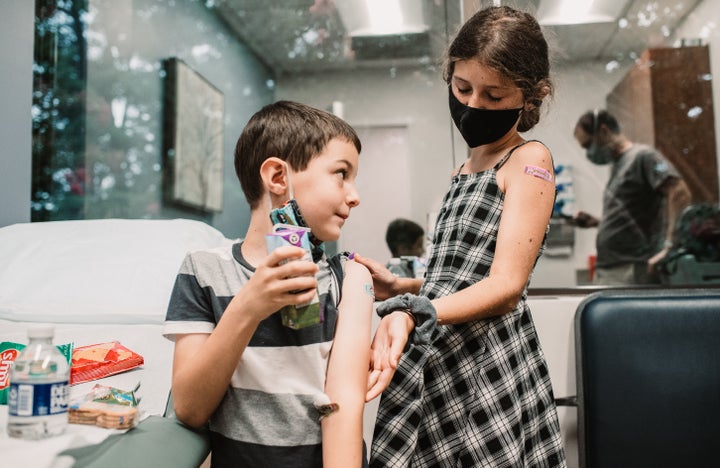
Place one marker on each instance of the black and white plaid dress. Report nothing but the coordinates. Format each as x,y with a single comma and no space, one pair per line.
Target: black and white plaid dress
480,395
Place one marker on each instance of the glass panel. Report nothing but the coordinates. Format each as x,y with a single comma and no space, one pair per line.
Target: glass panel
102,106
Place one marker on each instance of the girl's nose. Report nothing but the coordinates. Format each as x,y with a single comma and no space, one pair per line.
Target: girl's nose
474,101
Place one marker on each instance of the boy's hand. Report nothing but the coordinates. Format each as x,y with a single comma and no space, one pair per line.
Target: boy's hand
278,281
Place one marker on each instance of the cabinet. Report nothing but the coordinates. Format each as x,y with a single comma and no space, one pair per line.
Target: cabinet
665,100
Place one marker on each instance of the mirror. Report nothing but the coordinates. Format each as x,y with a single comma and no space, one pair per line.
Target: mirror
109,113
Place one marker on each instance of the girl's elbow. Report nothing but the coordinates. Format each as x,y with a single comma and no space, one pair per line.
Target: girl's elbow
512,298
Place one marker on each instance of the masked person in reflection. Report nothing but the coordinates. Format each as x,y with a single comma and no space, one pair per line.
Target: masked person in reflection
642,200
475,389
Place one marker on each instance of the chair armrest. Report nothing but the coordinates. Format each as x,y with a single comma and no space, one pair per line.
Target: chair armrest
155,442
566,401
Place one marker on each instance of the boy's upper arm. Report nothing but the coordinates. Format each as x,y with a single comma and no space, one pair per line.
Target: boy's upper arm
357,285
186,345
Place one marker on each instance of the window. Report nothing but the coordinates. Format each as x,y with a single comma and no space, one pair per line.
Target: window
99,99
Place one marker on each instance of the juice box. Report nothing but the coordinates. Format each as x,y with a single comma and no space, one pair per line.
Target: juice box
303,315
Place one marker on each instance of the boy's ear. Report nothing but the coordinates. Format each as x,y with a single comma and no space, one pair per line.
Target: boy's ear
273,173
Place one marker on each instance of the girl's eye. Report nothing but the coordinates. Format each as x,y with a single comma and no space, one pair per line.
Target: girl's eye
494,98
342,173
465,91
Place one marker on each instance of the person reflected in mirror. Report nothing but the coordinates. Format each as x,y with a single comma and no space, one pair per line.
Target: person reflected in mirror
406,241
643,198
276,392
473,387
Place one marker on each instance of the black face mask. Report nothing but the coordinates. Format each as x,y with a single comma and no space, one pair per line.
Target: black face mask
481,126
599,155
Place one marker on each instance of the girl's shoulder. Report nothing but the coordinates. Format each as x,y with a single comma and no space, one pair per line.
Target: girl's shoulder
532,152
529,159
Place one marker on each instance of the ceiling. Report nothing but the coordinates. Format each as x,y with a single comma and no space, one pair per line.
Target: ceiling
298,36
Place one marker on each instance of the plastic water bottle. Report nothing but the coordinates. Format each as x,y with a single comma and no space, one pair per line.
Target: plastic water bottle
39,389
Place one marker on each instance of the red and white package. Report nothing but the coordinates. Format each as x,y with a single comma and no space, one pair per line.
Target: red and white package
100,360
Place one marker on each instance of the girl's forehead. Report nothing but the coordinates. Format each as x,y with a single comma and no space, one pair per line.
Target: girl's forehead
475,72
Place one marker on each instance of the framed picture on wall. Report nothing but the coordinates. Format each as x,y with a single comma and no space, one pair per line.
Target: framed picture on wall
192,139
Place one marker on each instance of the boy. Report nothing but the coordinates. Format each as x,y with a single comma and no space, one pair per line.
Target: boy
265,387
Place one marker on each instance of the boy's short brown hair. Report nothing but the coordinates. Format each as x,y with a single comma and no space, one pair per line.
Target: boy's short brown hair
288,130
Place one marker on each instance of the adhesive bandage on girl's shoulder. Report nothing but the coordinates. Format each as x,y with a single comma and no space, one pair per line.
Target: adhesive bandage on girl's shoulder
538,172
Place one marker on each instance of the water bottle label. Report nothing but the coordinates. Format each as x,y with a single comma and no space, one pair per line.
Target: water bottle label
38,399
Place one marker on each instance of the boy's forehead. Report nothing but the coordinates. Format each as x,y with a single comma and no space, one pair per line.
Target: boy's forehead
341,150
338,153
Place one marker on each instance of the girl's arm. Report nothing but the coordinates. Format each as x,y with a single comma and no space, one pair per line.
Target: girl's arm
346,380
529,198
527,181
386,284
203,364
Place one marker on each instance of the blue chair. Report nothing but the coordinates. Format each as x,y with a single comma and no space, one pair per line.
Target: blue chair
648,378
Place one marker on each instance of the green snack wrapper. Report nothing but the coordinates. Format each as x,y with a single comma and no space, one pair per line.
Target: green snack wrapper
9,351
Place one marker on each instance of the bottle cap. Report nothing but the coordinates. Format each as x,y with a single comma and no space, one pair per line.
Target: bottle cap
41,332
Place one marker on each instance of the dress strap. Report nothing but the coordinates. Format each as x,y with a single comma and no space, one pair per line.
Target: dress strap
509,153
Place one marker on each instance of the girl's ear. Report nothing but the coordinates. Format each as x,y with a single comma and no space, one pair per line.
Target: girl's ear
273,173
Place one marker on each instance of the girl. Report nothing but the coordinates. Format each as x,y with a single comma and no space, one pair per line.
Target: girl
479,393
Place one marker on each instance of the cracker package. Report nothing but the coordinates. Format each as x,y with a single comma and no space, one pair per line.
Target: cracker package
107,407
9,351
303,315
100,360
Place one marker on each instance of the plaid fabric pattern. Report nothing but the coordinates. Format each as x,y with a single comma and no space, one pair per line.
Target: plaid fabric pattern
480,394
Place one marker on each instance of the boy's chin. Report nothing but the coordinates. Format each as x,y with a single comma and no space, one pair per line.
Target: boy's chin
328,236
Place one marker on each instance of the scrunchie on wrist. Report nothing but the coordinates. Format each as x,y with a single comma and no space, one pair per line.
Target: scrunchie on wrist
421,310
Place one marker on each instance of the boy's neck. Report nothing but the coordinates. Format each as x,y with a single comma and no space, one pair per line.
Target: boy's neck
254,248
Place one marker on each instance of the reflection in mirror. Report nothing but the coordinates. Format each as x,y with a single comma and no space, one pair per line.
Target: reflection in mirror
100,101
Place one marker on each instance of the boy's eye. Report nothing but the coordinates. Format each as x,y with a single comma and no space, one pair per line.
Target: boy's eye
342,173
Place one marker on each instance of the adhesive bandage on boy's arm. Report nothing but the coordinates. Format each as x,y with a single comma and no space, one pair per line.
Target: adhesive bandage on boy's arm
420,310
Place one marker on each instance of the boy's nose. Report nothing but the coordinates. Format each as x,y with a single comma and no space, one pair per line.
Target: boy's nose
353,197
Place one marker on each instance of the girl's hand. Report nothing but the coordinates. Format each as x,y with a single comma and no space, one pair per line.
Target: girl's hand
384,282
387,346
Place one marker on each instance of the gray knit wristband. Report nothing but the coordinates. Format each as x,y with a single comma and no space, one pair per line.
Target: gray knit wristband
419,308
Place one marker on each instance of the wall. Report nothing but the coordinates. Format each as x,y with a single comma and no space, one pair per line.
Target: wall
127,46
701,24
16,61
411,98
418,99
580,86
130,43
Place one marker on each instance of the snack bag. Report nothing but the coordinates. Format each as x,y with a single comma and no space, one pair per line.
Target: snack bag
302,315
99,360
107,407
9,351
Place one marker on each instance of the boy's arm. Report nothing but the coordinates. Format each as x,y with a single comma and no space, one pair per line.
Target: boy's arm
346,380
203,364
